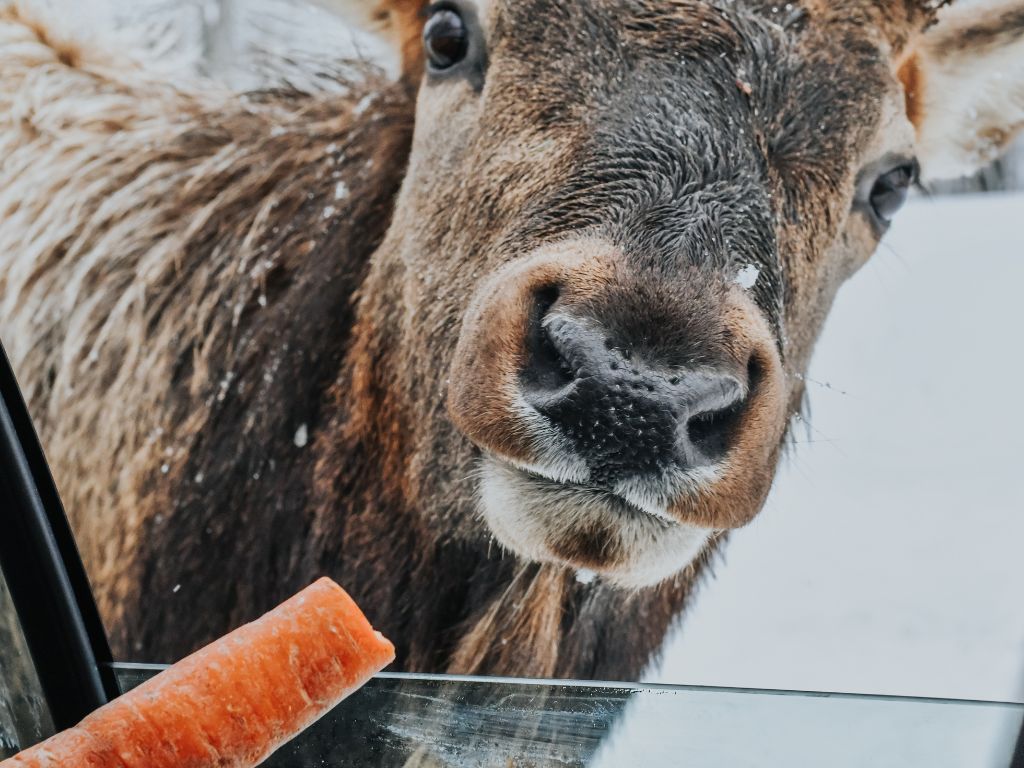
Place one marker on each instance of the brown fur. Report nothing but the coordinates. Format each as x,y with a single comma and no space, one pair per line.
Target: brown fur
910,76
271,336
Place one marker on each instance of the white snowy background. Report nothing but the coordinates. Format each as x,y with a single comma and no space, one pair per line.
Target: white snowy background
889,556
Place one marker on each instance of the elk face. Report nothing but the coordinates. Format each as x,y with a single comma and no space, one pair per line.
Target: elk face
622,227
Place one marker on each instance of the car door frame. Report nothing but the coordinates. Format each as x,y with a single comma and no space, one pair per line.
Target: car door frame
44,572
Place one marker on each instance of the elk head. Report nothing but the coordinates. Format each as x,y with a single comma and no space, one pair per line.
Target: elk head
621,229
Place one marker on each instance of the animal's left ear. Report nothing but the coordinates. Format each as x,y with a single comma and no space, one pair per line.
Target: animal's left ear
964,83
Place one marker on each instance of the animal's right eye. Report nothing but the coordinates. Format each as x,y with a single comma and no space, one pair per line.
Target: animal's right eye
445,38
890,190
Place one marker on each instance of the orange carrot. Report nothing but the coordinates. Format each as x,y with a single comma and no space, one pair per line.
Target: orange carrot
236,700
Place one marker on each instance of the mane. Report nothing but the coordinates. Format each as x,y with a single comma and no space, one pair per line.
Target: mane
166,249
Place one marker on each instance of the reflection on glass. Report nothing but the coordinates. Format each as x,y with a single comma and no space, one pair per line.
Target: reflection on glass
420,721
24,717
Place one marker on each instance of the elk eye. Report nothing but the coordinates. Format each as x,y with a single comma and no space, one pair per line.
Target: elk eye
890,191
445,39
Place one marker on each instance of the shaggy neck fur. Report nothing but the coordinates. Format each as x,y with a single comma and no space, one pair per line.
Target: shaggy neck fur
180,276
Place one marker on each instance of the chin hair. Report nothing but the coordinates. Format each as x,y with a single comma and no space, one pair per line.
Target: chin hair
584,529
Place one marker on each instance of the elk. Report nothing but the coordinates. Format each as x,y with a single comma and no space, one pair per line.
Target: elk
506,344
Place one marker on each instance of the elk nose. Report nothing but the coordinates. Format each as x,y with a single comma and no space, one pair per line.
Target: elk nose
625,416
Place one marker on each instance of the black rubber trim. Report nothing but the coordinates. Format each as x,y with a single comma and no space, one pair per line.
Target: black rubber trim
44,572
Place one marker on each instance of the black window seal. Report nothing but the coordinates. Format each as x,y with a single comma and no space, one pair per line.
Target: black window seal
44,571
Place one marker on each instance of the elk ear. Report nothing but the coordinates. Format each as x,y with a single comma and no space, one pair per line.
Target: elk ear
399,21
964,84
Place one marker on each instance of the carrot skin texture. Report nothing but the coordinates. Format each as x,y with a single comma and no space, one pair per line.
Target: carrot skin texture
232,703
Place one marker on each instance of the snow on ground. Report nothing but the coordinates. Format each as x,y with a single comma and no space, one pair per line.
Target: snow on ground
889,556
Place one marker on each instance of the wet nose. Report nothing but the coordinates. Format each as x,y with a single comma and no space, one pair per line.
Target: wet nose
624,415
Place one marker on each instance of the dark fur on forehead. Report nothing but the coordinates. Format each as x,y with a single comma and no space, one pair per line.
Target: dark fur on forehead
701,129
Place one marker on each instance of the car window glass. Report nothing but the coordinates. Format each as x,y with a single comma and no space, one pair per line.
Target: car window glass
24,718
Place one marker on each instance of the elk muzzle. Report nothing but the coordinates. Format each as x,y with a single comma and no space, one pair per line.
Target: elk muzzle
606,396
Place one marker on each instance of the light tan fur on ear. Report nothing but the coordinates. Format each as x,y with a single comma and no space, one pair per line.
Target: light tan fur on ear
964,85
401,21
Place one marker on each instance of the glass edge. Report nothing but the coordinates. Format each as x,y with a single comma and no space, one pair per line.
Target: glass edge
637,686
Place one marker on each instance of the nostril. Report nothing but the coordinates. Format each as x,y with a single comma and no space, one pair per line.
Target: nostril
544,300
546,368
713,429
712,432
